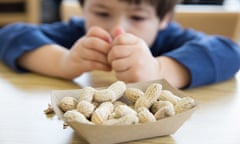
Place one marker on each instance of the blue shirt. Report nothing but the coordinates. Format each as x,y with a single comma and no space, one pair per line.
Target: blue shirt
209,59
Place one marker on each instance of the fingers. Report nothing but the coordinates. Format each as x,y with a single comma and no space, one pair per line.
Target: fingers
125,39
122,46
92,65
121,65
129,76
92,55
98,51
119,52
102,49
118,31
96,44
135,72
98,39
100,33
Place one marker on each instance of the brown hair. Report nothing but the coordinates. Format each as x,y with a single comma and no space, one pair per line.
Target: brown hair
162,6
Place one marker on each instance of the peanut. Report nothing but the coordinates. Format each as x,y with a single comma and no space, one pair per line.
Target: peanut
119,88
104,95
86,108
132,94
49,110
68,103
167,95
117,103
150,96
145,115
122,110
125,120
112,93
87,94
102,113
159,104
76,116
165,111
184,104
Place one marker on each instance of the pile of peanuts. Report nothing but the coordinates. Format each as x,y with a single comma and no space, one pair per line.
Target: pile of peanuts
103,107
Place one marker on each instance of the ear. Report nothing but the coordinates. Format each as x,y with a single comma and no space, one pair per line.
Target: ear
164,22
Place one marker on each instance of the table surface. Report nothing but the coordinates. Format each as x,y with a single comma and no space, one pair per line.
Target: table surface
24,97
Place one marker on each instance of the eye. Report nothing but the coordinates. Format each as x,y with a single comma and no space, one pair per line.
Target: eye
102,14
138,18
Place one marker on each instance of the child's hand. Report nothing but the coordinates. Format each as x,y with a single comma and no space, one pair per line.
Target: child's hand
89,53
131,58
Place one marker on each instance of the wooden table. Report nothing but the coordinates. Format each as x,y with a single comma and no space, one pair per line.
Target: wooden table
24,97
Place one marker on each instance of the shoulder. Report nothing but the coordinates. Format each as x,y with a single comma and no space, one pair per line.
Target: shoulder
75,28
77,21
175,33
175,29
73,23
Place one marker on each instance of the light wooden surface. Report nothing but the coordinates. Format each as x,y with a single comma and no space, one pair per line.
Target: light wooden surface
222,20
25,96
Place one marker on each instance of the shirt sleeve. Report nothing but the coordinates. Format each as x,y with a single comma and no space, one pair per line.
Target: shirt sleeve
19,38
209,58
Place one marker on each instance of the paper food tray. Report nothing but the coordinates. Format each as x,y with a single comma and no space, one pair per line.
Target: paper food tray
102,134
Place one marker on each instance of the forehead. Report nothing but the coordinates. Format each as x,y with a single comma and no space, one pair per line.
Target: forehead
131,2
143,4
117,5
137,1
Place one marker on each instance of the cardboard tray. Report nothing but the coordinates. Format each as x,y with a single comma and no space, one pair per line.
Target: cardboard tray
102,134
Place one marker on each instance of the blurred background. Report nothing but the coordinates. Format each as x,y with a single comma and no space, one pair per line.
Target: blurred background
53,7
48,11
212,2
210,16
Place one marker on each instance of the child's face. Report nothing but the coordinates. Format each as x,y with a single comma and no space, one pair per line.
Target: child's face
140,20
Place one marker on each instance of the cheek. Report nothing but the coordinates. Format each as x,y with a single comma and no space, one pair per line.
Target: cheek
148,36
88,24
146,31
90,21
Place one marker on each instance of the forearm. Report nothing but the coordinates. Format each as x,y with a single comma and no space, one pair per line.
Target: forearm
46,60
175,73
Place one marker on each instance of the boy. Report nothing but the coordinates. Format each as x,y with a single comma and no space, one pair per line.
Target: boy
134,38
